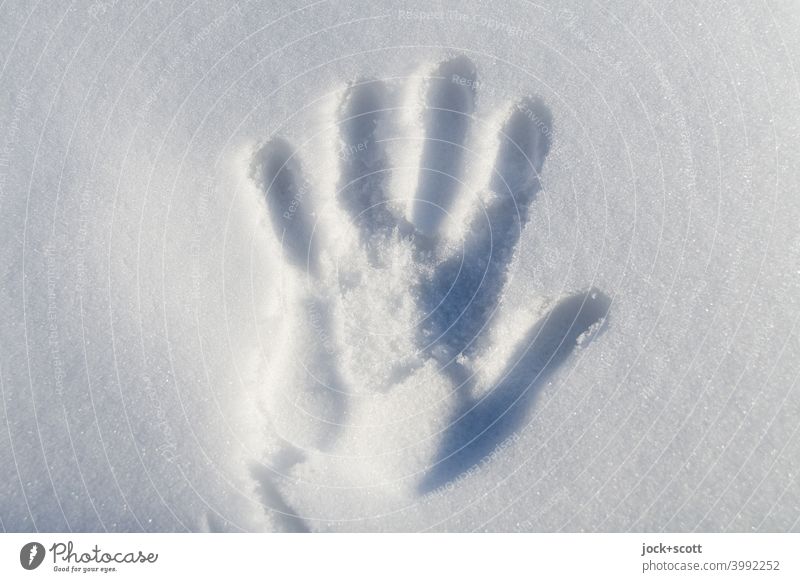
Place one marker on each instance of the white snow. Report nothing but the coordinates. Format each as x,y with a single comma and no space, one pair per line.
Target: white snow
167,363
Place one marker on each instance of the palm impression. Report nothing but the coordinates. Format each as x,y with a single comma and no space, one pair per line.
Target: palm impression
388,373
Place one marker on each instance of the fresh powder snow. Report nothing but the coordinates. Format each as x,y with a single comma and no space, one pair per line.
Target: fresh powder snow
429,266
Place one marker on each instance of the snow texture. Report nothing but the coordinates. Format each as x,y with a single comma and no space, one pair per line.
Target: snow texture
372,267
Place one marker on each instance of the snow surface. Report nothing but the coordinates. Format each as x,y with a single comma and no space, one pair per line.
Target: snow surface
455,266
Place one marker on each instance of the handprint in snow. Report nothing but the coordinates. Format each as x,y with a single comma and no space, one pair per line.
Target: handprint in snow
438,300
